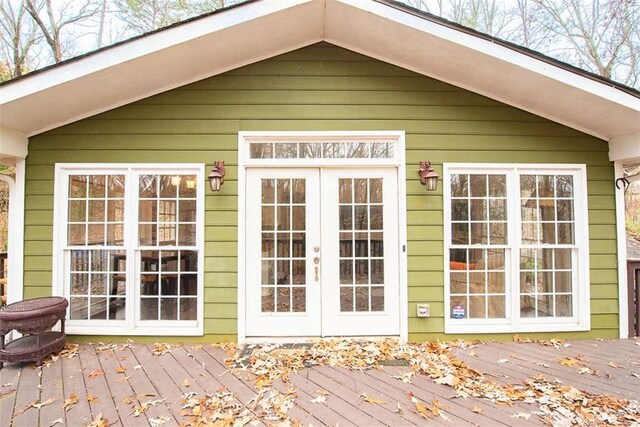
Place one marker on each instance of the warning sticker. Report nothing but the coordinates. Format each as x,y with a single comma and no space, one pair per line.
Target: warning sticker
458,312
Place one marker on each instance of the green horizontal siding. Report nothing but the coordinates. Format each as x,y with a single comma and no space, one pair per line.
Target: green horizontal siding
323,87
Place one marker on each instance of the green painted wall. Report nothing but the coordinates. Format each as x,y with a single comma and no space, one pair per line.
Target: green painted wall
323,87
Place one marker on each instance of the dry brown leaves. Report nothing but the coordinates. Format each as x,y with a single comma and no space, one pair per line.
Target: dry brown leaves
70,401
99,421
555,343
160,348
558,403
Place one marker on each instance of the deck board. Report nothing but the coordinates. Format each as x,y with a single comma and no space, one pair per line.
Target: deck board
203,369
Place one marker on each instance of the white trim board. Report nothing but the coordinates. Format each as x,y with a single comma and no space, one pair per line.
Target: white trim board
244,162
621,235
259,30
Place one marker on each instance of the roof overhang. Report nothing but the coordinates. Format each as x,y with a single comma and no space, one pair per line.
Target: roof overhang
261,29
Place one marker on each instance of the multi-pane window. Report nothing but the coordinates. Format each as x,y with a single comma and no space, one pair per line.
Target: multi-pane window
321,150
284,230
514,256
129,247
361,244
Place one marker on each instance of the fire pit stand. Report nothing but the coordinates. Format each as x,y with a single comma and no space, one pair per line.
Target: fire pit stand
33,318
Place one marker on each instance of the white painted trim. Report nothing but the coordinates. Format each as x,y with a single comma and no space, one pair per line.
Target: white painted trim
621,237
581,320
13,143
400,152
129,326
372,28
625,148
15,241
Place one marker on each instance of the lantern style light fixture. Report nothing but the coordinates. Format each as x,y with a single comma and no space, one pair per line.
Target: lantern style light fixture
216,177
428,177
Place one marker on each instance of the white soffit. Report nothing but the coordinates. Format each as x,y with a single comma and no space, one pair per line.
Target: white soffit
259,30
159,62
384,32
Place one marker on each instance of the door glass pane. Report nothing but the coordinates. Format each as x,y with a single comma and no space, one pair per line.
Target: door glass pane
283,254
361,254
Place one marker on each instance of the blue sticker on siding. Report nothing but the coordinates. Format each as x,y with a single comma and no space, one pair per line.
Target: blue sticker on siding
458,312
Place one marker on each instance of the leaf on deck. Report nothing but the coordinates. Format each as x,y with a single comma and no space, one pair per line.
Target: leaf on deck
371,400
70,401
96,373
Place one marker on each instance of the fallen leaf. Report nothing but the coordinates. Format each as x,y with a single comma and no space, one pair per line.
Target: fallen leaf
633,374
185,383
405,377
92,399
521,415
157,421
120,370
99,421
398,409
122,379
473,354
96,373
372,400
70,401
320,399
477,410
421,408
613,365
137,367
503,360
54,422
45,403
449,379
544,365
568,361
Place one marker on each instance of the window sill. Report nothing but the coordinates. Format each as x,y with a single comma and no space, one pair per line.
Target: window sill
510,329
189,331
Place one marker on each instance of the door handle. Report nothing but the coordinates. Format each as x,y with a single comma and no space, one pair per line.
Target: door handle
316,261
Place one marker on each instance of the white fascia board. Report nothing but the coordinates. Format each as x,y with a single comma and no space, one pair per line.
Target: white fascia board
481,66
495,50
13,143
144,46
174,66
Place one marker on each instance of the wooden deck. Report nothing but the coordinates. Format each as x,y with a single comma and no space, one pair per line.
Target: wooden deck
117,380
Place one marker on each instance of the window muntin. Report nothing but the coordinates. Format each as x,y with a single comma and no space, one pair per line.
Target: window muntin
114,219
541,256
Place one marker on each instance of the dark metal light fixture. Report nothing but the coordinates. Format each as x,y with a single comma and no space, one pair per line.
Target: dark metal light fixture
428,177
216,177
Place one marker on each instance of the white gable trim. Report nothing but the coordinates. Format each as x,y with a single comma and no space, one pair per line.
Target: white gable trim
258,30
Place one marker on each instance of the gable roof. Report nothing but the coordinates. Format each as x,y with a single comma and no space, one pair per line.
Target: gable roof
260,29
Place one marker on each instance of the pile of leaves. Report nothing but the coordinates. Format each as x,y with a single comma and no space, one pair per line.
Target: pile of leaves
557,404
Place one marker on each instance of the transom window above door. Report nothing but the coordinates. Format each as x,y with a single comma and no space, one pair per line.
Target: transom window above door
128,248
516,248
321,148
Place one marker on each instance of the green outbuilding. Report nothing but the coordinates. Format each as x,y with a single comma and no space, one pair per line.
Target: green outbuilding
295,169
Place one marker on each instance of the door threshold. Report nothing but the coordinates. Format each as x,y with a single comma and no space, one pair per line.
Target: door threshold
306,340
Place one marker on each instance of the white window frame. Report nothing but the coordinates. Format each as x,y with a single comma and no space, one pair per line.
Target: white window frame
580,321
129,326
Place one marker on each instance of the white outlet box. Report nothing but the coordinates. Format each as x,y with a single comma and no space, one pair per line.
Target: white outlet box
423,310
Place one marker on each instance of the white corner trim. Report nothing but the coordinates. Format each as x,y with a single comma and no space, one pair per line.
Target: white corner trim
13,143
15,246
621,237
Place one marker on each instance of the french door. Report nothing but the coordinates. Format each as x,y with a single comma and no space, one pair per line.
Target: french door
322,252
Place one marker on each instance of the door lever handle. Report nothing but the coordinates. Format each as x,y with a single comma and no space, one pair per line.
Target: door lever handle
316,261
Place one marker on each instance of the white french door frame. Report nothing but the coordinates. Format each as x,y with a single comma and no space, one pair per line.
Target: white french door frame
397,162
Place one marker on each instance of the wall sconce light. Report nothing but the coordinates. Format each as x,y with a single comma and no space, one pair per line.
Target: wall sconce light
428,177
216,177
